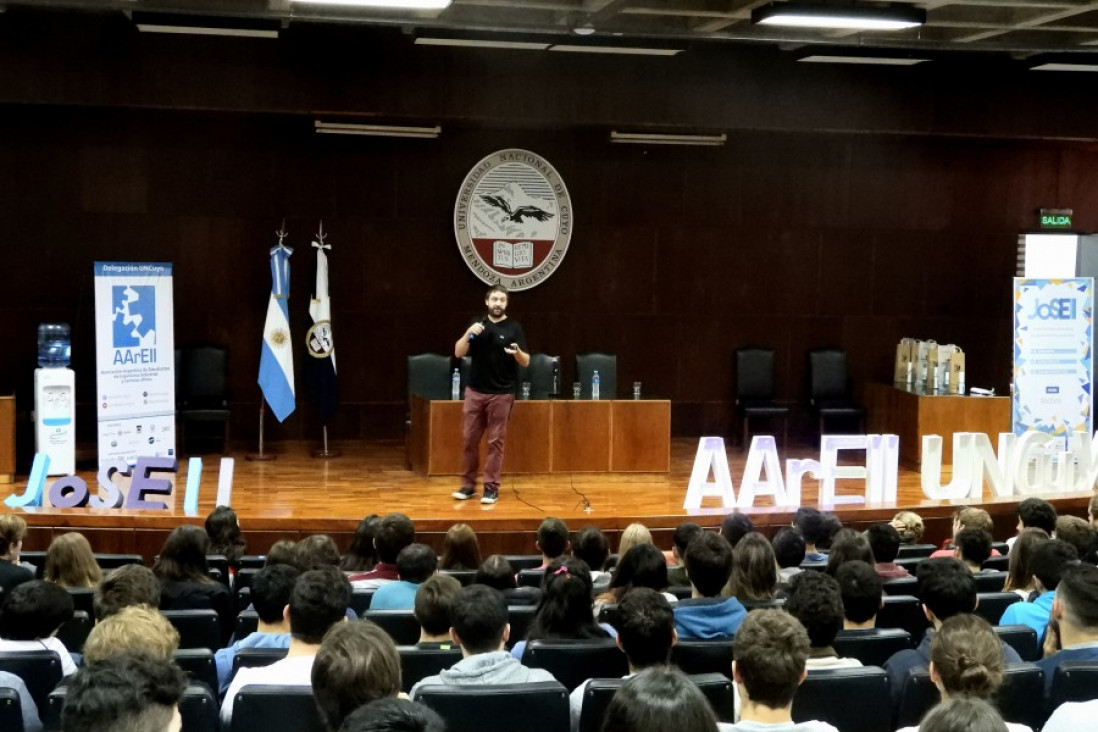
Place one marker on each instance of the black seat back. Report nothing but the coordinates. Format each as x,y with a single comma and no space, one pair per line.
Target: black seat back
598,694
419,663
199,665
197,628
573,662
872,647
1021,638
1021,694
905,612
901,586
198,708
992,605
11,710
754,375
429,376
401,625
1000,563
543,374
107,562
531,577
537,707
990,581
698,656
252,657
847,698
464,576
916,550
275,709
520,617
40,671
1073,681
520,562
247,622
75,631
82,599
360,600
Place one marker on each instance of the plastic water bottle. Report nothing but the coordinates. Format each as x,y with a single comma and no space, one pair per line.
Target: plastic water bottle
54,345
595,385
455,386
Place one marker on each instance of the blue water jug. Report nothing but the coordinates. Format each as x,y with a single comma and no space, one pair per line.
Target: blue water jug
54,345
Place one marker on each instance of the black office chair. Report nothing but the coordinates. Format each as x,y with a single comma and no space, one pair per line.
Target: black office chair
1021,638
574,661
401,625
830,388
607,366
598,694
40,671
872,646
990,581
543,374
429,376
1073,681
847,698
11,710
755,391
203,395
905,612
275,709
75,631
992,605
536,707
197,628
419,663
199,665
697,656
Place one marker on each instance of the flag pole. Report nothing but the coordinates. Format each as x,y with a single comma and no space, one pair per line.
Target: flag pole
326,452
261,456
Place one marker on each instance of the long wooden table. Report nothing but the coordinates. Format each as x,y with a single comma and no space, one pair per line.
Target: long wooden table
612,436
910,416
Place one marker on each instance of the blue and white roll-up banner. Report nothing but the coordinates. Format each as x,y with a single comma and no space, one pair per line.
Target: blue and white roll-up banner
1053,355
135,360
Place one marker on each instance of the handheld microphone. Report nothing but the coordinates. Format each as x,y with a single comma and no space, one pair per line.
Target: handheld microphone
482,321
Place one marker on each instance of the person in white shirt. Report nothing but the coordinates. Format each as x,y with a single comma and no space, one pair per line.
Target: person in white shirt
30,618
814,598
1074,717
319,601
964,713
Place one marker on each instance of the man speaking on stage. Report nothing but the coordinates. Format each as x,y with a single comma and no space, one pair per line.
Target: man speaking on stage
497,347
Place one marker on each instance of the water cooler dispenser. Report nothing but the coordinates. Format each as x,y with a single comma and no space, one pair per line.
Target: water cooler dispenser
55,399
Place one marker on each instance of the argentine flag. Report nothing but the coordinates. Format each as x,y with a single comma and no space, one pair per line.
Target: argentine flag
276,361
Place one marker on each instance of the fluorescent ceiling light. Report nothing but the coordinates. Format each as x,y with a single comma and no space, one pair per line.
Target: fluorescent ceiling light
866,60
648,138
472,43
205,25
193,30
347,128
627,50
850,17
395,4
1065,67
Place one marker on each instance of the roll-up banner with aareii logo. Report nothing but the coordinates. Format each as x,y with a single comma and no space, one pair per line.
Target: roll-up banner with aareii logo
135,360
1053,358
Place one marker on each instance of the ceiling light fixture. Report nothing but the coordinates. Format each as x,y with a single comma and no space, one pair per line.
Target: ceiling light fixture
849,17
651,138
863,60
200,25
475,43
1065,67
623,50
347,128
391,4
584,30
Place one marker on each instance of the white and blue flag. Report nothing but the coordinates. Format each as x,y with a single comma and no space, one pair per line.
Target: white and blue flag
276,361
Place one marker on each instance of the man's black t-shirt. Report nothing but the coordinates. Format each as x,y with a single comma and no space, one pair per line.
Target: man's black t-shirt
494,371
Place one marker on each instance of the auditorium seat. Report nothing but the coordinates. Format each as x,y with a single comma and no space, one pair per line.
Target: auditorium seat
847,698
401,625
682,592
82,598
253,561
199,665
36,559
1021,638
243,599
537,707
607,366
221,563
598,694
253,657
197,628
903,611
520,562
901,586
755,392
247,622
360,600
1019,699
275,709
419,663
1073,681
75,631
543,375
999,564
872,646
916,550
574,661
40,671
990,581
531,577
911,564
698,656
464,576
107,562
198,709
11,710
519,617
992,605
774,602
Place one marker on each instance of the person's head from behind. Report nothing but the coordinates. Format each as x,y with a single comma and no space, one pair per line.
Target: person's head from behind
770,651
131,584
183,556
1019,573
813,525
319,600
34,610
884,541
416,562
272,588
125,693
223,528
681,537
1036,512
282,551
478,620
861,589
592,546
71,563
973,547
432,606
642,566
13,529
788,547
496,572
657,700
634,535
970,517
316,552
460,549
963,714
814,598
564,608
646,628
1049,562
910,527
553,538
1077,532
356,663
1076,603
945,588
393,715
848,545
394,532
966,658
361,556
136,629
754,568
709,563
735,526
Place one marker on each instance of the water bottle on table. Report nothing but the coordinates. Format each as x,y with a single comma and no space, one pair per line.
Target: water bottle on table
455,386
595,385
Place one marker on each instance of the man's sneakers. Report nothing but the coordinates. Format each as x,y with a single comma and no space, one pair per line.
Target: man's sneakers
464,494
491,494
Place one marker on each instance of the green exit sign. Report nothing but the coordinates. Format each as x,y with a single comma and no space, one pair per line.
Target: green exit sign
1056,218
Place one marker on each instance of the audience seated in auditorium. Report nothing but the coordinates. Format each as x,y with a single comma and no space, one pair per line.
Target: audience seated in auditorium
657,700
432,610
564,610
415,563
815,600
848,545
553,540
281,552
394,532
966,660
184,580
316,552
70,562
680,539
641,566
478,618
967,517
1074,717
1019,575
592,546
634,535
1092,512
394,715
816,528
972,547
319,600
357,663
460,549
27,707
1074,622
946,588
30,617
361,556
1079,534
1036,512
706,614
735,526
862,592
223,528
910,527
130,584
754,570
1049,562
964,715
884,541
496,572
125,692
646,632
770,651
788,552
137,629
271,590
12,530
